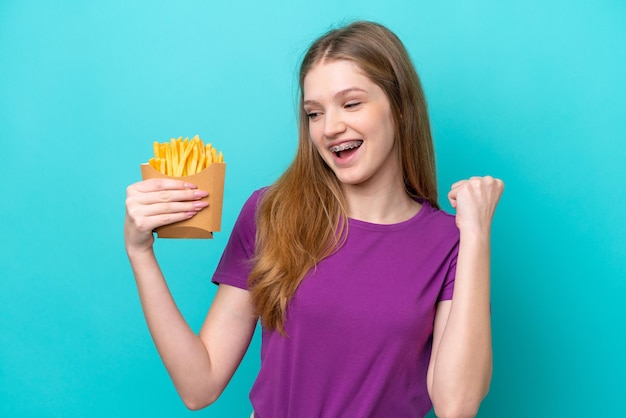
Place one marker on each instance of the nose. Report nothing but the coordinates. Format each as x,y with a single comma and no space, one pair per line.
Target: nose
333,124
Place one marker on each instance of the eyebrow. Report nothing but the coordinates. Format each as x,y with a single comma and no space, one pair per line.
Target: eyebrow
339,94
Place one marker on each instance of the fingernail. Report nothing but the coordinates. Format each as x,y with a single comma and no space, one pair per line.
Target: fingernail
190,186
200,193
200,205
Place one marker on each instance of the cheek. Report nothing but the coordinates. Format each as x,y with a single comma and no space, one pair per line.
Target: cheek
388,128
315,134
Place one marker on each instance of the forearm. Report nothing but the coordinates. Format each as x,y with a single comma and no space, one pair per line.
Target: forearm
182,351
462,371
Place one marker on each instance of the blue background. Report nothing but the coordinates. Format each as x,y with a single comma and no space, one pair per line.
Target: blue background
532,92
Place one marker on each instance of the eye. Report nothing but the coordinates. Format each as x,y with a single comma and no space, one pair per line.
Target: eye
313,115
351,105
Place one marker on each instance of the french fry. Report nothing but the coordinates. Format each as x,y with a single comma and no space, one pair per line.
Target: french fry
183,157
168,160
201,159
181,144
193,161
181,151
182,164
209,156
162,165
174,147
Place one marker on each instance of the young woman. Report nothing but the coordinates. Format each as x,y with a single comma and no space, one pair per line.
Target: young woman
373,302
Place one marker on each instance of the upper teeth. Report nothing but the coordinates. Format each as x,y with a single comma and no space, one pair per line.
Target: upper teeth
344,146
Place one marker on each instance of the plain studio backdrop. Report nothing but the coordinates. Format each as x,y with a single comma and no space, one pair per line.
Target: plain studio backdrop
532,92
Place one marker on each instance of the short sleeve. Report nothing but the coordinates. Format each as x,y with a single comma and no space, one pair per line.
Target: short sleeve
235,265
447,290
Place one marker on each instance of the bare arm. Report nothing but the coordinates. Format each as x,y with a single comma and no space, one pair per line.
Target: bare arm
460,369
200,366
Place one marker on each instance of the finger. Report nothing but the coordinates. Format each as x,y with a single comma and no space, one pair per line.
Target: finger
171,195
149,217
161,184
452,197
170,208
153,222
458,184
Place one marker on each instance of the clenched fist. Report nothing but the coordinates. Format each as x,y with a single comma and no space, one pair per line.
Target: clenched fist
475,201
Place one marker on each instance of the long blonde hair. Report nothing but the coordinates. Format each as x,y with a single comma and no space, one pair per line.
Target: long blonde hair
301,218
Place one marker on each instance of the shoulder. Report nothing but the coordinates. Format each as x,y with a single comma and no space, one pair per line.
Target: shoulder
440,223
252,203
246,220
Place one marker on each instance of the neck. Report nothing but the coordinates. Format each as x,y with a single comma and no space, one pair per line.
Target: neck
382,204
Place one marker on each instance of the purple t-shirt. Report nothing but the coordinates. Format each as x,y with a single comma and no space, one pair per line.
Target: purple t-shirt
360,325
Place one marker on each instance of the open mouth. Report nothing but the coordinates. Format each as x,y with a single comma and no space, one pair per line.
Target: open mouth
345,147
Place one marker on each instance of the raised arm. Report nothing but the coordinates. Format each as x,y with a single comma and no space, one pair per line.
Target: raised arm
200,366
460,369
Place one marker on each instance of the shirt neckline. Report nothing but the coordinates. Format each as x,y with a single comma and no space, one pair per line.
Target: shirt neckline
391,227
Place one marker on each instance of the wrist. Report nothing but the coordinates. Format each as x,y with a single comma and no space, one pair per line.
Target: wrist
475,234
137,253
138,244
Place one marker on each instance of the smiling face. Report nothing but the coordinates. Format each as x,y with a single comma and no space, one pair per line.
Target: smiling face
351,125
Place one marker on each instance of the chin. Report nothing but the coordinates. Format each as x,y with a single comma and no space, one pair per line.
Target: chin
350,181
